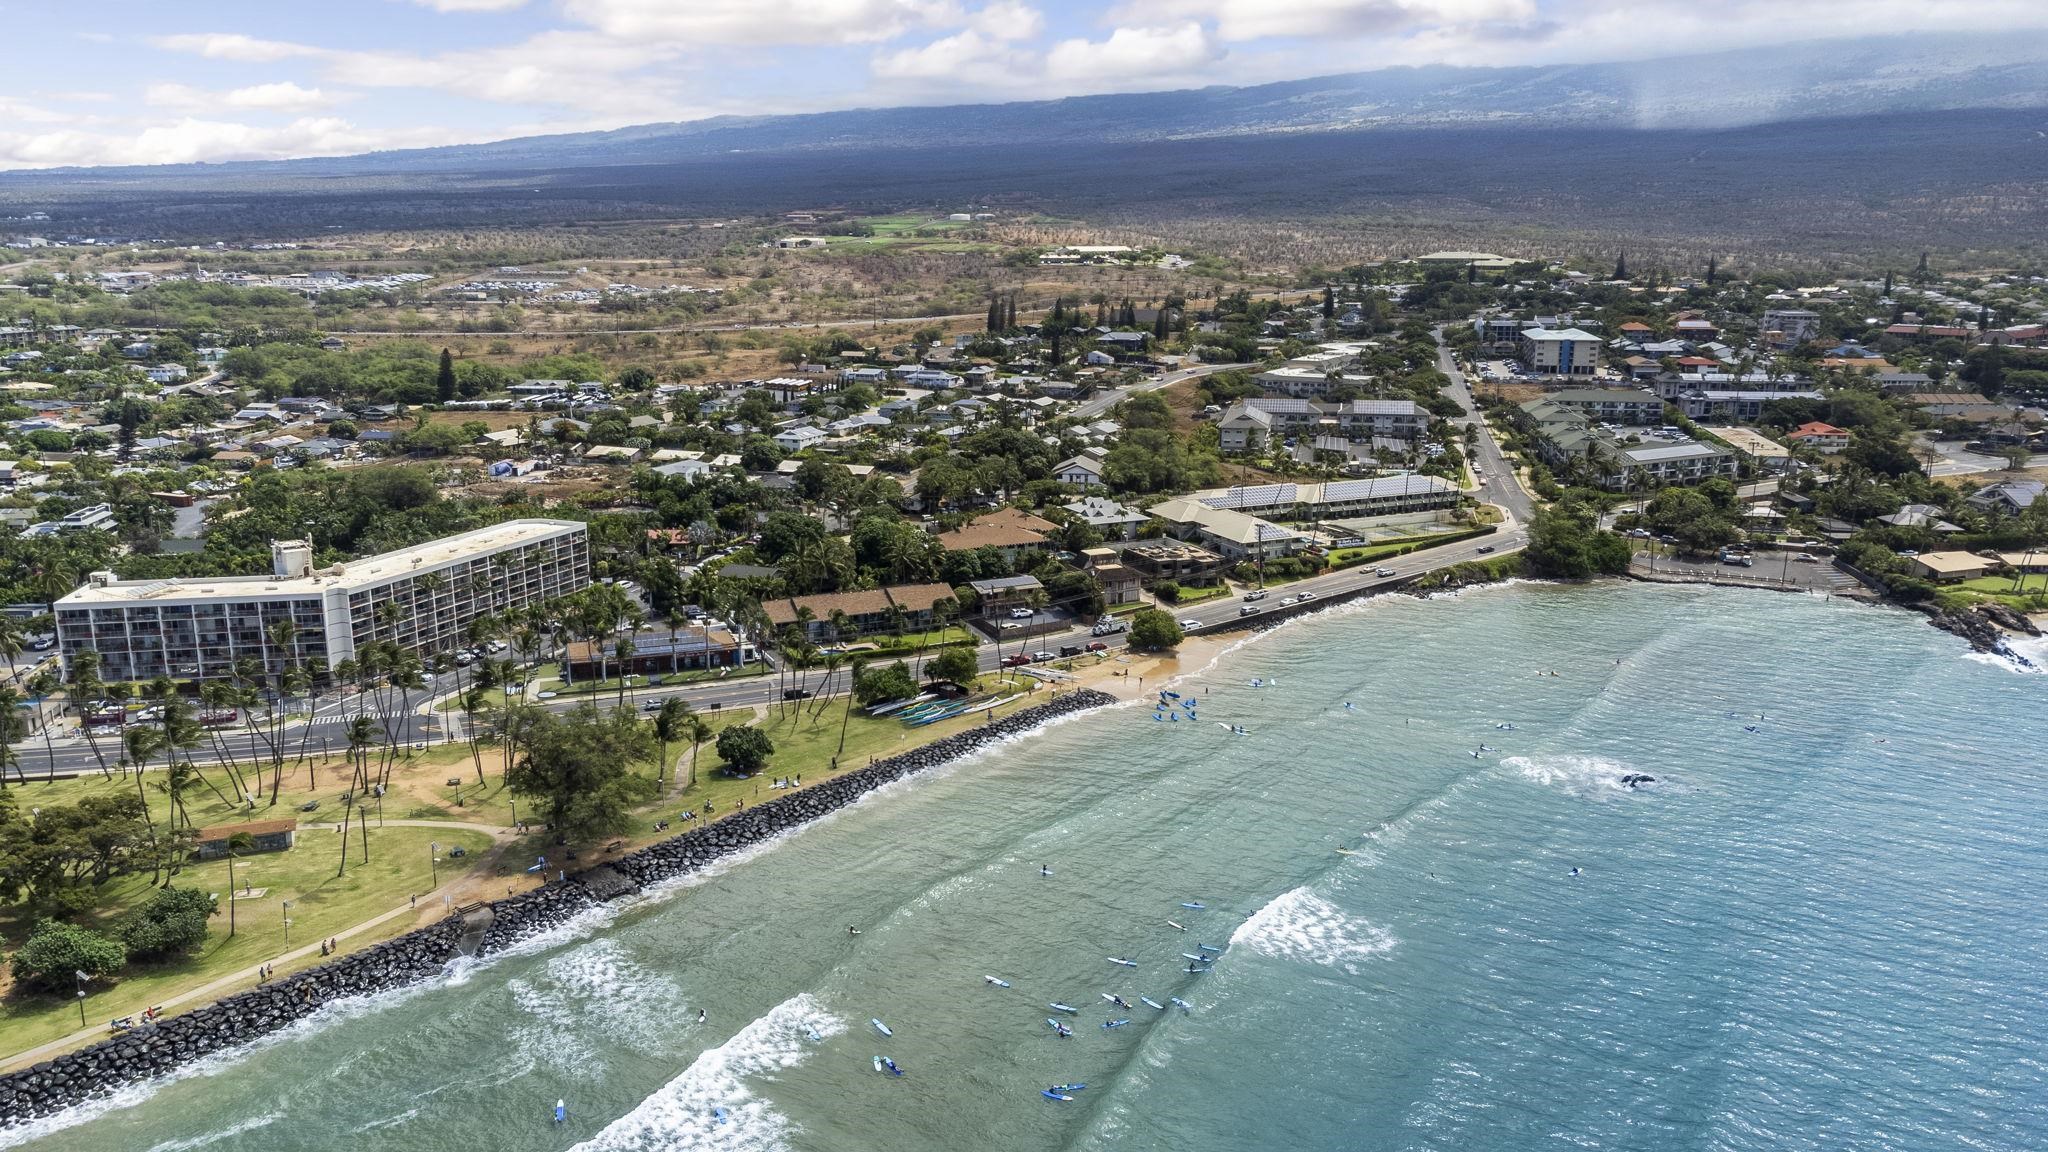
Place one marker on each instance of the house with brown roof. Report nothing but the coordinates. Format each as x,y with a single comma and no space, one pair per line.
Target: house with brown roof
266,835
1823,437
865,613
1011,530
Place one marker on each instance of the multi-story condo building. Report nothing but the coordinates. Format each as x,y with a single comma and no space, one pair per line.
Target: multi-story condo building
1560,352
422,599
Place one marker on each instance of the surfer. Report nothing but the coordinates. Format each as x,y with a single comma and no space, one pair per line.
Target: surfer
1044,870
1575,871
700,1016
852,931
561,1111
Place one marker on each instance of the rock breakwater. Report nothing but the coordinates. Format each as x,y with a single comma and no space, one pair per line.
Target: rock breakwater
162,1047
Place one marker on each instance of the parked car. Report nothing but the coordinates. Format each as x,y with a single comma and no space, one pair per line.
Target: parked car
1098,646
1016,660
1248,610
1020,613
1255,595
1072,649
1043,656
1108,627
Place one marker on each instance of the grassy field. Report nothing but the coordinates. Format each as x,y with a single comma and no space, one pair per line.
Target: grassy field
322,905
2030,596
814,740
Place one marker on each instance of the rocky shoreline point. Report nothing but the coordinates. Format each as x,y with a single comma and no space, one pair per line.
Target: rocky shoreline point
1984,625
162,1047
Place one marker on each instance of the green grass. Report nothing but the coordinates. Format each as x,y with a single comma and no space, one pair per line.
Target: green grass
807,741
2031,596
1200,595
893,645
322,905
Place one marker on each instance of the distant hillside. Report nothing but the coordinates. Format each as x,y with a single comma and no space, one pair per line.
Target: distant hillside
1804,81
1847,148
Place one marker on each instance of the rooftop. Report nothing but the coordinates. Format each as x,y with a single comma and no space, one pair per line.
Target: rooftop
350,574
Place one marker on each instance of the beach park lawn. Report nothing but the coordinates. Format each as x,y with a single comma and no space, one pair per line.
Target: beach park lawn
807,737
323,905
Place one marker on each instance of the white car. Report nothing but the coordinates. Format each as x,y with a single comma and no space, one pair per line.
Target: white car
1020,613
1191,622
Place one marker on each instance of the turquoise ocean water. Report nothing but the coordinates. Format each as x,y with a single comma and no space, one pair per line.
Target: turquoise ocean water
1825,933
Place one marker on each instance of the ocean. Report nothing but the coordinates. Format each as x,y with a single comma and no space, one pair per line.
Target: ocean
1439,920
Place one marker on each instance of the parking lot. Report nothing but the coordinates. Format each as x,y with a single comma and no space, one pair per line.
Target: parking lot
1770,569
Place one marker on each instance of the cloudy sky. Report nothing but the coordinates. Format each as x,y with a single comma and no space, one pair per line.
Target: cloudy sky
171,81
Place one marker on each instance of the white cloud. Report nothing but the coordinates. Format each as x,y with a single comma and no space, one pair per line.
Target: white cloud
1239,20
694,22
471,5
193,139
1131,58
284,96
1007,20
233,46
967,58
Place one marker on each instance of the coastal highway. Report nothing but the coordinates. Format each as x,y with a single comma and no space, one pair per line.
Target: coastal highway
325,730
1109,398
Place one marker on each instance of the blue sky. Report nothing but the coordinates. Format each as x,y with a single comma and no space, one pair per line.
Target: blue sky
171,81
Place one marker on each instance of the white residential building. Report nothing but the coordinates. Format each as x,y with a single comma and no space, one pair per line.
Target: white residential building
1560,352
421,599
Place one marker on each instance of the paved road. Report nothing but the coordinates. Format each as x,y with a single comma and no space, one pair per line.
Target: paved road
325,730
1502,485
1102,402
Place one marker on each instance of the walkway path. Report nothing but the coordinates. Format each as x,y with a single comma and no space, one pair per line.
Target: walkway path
232,982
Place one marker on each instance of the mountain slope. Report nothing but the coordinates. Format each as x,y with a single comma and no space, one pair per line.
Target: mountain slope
1802,81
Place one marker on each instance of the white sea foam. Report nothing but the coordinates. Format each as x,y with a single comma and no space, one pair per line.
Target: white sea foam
1594,776
189,1142
679,1115
2033,650
599,982
1300,925
130,1095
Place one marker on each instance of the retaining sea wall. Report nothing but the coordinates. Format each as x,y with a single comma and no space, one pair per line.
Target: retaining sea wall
158,1048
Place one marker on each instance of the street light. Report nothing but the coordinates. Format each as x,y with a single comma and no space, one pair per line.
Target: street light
287,924
434,854
82,978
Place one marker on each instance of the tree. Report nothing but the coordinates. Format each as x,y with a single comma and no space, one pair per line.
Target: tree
956,665
670,725
444,380
1621,266
888,682
173,921
55,951
577,768
1566,541
1154,631
1710,271
745,749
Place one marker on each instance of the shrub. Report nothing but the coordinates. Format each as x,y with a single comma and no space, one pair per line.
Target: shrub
173,921
1154,630
1168,591
55,950
745,749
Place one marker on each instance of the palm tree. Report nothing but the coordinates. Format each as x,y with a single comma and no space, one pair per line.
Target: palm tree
86,688
141,742
11,645
669,724
699,733
853,676
237,842
623,649
10,701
